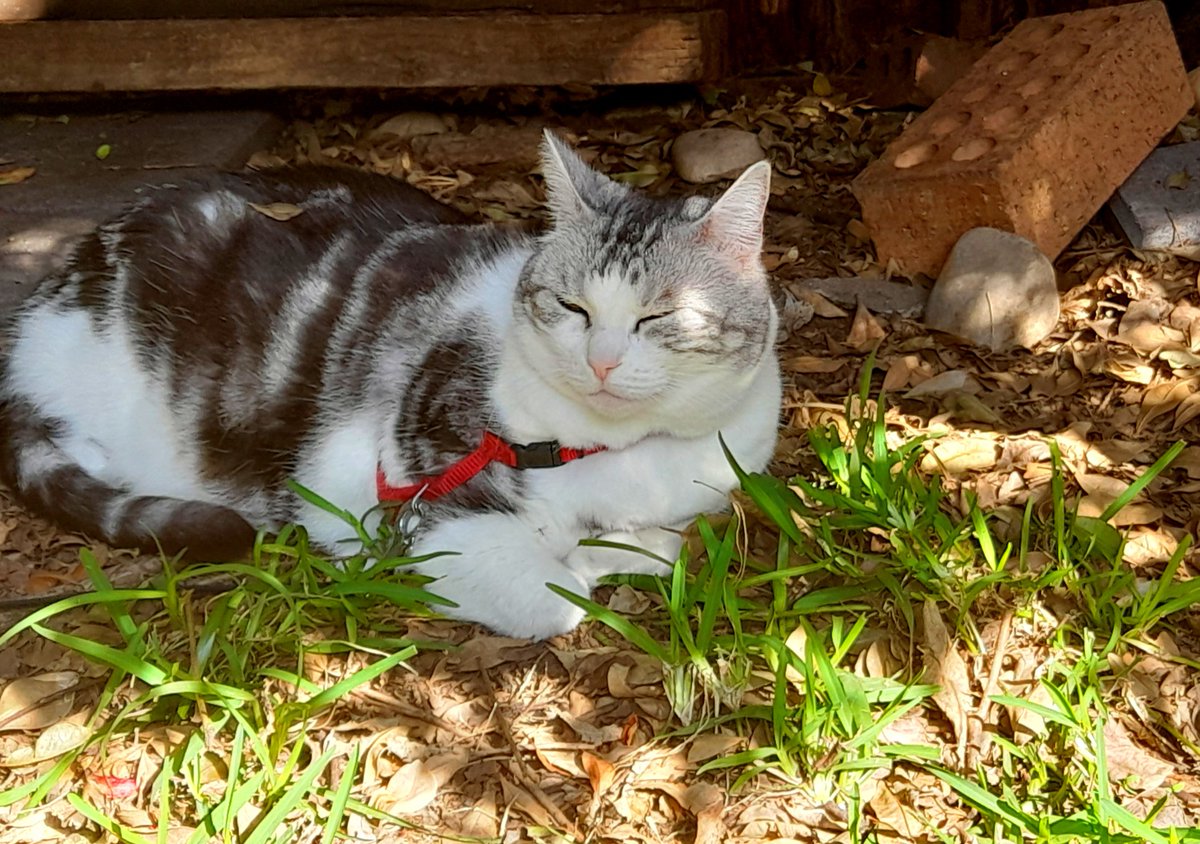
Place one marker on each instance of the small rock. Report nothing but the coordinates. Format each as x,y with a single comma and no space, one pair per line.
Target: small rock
997,290
878,294
706,155
410,124
1158,207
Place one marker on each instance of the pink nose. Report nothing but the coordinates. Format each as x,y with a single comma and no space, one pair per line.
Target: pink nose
603,367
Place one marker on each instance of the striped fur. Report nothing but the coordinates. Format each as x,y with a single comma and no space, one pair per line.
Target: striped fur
196,354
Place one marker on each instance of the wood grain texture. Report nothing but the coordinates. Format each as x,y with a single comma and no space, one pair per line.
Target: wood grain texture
360,52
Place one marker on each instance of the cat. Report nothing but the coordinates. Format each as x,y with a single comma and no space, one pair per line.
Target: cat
199,351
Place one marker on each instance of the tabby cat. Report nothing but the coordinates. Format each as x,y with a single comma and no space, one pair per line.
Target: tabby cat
197,353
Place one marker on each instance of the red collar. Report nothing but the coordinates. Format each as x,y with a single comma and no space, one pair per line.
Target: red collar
542,455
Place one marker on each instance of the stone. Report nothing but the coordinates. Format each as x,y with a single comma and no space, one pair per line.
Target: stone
410,124
879,295
708,155
1034,139
997,290
1158,207
73,188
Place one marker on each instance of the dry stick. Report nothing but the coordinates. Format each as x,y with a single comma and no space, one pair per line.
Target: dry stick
521,769
981,742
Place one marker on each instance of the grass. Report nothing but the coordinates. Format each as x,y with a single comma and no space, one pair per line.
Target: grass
229,669
861,546
768,645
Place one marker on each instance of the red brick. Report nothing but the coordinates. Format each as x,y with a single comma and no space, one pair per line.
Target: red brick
1033,139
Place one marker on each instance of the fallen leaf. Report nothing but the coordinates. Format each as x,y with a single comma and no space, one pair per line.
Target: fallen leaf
711,745
958,456
1146,546
25,694
281,211
865,331
945,382
58,739
600,772
1178,181
821,85
1128,760
103,151
812,364
15,175
410,789
947,669
821,306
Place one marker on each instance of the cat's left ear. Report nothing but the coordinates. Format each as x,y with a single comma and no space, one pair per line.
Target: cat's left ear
572,188
734,224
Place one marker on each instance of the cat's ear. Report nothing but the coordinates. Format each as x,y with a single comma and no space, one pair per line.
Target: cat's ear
734,223
572,188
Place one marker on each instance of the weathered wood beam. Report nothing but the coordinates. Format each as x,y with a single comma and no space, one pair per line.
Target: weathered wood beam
360,52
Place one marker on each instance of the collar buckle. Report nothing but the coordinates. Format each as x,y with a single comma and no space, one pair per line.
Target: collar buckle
543,455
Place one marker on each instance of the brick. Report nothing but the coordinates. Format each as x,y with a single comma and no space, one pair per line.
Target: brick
1033,139
1158,207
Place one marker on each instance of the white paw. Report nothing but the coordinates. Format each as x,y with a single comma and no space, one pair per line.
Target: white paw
594,562
521,607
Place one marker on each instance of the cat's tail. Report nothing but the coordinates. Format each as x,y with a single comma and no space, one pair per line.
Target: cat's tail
50,483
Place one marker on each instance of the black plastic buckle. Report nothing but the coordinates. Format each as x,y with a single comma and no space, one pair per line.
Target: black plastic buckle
543,455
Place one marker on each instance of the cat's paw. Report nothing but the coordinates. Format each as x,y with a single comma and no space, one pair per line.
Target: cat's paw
595,561
516,604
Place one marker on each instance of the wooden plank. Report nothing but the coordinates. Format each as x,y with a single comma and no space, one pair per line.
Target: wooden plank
90,10
360,52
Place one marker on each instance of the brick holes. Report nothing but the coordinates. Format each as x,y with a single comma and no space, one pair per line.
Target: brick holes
1004,118
949,123
974,148
1037,85
914,155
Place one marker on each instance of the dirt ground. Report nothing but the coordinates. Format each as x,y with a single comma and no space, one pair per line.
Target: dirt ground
501,738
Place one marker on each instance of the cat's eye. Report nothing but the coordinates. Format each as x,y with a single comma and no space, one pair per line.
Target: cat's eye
641,322
576,309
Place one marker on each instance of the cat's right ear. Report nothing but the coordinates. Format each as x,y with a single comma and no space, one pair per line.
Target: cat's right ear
569,182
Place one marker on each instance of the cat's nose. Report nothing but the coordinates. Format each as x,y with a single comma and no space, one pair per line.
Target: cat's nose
603,366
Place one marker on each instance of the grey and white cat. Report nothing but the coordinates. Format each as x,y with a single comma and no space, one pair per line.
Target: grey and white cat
196,353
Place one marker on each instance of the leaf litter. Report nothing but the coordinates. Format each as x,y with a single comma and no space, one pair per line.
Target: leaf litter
502,740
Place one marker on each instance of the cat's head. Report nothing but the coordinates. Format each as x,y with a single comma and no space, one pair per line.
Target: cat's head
641,307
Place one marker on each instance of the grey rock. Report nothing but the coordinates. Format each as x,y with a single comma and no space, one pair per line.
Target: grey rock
1158,207
997,290
410,124
706,155
879,295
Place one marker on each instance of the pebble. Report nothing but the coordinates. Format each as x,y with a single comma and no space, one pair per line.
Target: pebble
707,155
410,124
997,290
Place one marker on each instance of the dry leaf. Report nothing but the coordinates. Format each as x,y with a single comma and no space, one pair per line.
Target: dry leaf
1129,760
711,745
947,670
15,175
865,331
821,306
24,693
1178,181
410,789
281,211
958,456
1145,546
707,803
1163,398
944,382
811,364
600,772
58,739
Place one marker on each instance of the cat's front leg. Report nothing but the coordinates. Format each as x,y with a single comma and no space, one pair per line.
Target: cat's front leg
498,572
